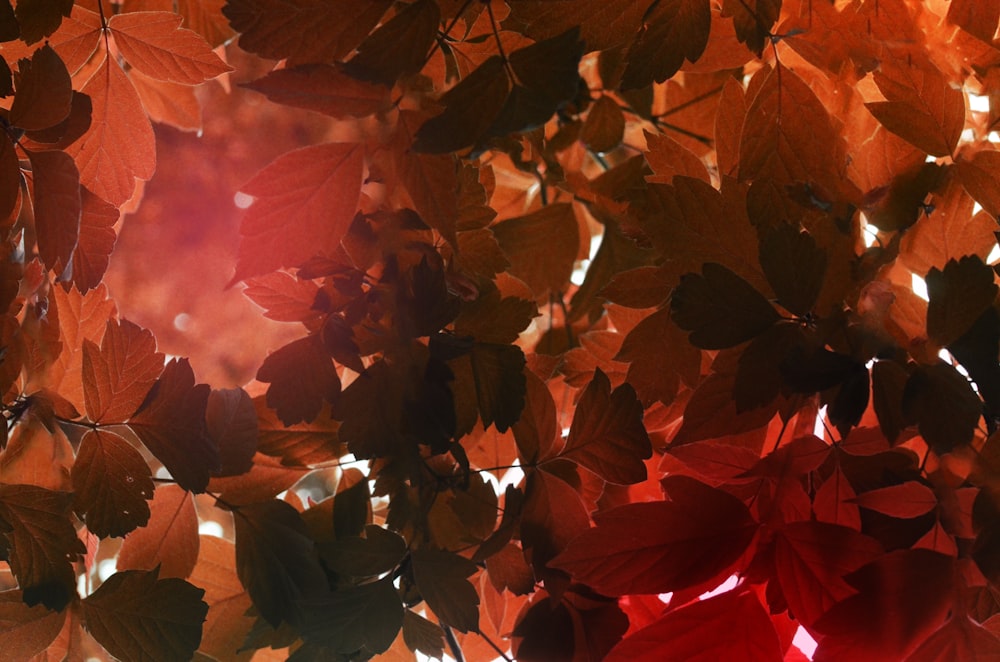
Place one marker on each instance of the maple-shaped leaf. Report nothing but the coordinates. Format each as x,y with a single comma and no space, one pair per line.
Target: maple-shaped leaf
57,205
720,308
323,88
363,618
232,424
96,241
154,43
303,30
730,626
812,559
301,377
26,631
118,375
541,247
943,405
921,105
137,616
276,560
378,552
111,484
40,19
304,203
673,31
169,541
119,147
41,543
441,578
901,598
171,424
44,92
794,266
661,546
958,295
607,435
399,46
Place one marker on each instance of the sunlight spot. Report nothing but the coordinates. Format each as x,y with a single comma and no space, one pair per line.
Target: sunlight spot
804,642
993,137
727,585
182,322
930,159
979,103
968,135
579,273
818,428
512,476
994,255
870,231
920,287
242,200
106,568
210,528
976,208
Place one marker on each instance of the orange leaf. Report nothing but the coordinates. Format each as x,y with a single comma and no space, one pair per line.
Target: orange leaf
305,201
541,247
673,31
168,103
120,146
169,541
668,159
26,631
155,44
603,23
119,374
323,88
111,484
226,623
96,242
980,175
57,206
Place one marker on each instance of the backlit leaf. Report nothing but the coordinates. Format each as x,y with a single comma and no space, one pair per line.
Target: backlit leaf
232,425
57,205
26,631
155,44
604,127
958,296
111,484
118,375
541,247
96,241
399,46
906,500
169,541
794,266
366,617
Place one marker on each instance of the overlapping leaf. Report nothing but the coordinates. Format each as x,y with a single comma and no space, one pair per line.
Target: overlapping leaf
111,484
118,375
155,44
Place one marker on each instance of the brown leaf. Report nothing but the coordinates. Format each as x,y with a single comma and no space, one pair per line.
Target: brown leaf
423,635
430,179
668,159
301,444
604,127
265,480
39,19
226,624
980,175
323,88
541,247
660,358
958,295
171,424
603,23
155,44
10,177
170,540
366,618
753,20
232,424
399,46
301,377
137,616
111,485
607,435
441,580
118,375
44,92
673,31
794,266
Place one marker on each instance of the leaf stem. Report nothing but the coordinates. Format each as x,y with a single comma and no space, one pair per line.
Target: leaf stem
456,649
496,36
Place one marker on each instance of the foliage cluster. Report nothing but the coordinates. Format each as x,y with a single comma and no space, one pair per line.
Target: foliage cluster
564,448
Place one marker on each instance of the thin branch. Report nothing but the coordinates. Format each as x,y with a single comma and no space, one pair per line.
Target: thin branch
456,649
493,645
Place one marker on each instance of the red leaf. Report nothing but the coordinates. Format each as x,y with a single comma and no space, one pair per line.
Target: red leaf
10,177
41,543
541,247
323,88
673,31
137,616
171,424
284,297
301,377
662,546
26,631
959,639
553,516
96,241
535,430
57,206
44,92
154,43
170,540
731,626
111,484
120,146
607,435
660,358
118,376
305,201
906,500
232,424
297,445
980,175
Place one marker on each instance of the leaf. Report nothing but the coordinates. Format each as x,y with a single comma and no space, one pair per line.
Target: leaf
661,546
604,127
301,377
660,358
720,308
669,159
943,405
111,485
903,501
979,175
958,295
961,638
232,424
607,435
921,106
225,625
366,618
41,543
430,179
441,580
729,626
171,424
137,616
10,178
399,46
303,30
535,430
276,561
422,635
118,375
541,247
380,551
304,203
26,631
39,19
170,541
265,480
495,319
794,266
673,31
155,44
500,383
323,88
120,146
834,502
168,103
753,20
96,241
603,24
812,559
57,206
297,445
44,92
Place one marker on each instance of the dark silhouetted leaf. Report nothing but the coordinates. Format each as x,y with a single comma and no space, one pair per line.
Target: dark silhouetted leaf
111,484
378,552
958,296
673,31
943,405
541,247
232,425
399,46
363,618
794,266
323,88
441,580
301,377
44,91
720,308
